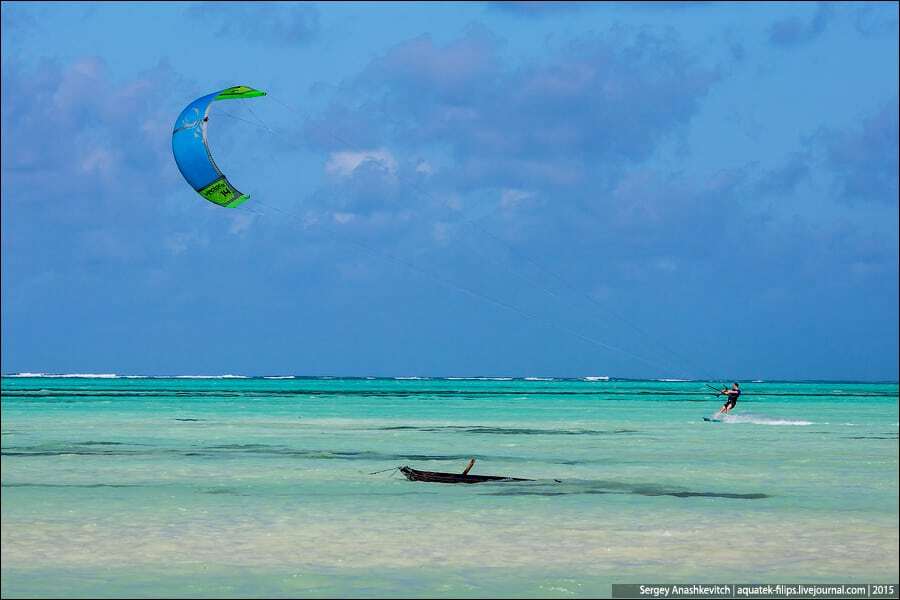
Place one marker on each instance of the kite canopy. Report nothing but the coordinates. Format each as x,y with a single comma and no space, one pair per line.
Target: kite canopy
192,152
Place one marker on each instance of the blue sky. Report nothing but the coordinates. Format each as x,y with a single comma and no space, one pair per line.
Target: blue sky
680,189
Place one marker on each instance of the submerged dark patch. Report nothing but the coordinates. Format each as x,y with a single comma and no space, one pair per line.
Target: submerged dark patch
72,452
614,487
104,444
231,451
72,485
236,451
480,429
224,492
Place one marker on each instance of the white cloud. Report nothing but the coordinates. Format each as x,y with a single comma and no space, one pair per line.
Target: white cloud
440,232
343,217
98,161
511,198
424,167
240,223
343,164
180,243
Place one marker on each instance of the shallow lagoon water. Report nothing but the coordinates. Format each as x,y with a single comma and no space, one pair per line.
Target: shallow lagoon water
261,487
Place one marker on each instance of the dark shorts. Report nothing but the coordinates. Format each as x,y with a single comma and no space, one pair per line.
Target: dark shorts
729,404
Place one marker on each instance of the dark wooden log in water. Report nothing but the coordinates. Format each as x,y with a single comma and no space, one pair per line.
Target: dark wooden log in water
435,477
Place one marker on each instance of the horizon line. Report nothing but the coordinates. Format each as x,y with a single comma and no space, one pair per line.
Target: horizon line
586,378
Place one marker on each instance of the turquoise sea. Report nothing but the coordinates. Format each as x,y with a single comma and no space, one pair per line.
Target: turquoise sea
223,487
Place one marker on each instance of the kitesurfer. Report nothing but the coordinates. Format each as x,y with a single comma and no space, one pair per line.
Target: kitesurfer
732,396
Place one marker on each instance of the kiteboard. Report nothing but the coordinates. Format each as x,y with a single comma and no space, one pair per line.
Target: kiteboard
712,420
